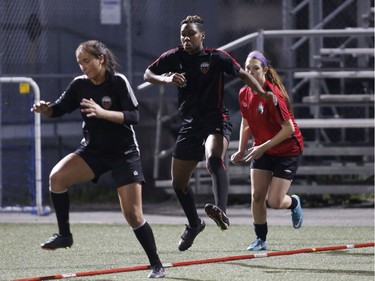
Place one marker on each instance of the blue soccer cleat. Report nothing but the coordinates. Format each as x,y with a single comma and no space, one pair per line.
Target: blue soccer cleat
297,214
257,245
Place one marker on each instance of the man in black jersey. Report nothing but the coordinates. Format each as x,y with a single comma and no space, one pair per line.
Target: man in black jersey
206,128
109,110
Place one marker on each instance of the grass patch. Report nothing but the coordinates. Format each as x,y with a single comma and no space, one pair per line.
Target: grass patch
115,246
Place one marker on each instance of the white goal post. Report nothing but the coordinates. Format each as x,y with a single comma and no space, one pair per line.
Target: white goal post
37,136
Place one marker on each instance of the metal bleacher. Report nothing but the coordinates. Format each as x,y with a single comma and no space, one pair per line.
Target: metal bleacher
332,162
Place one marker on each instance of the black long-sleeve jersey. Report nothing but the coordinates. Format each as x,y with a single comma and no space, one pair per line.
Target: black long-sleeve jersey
204,72
114,94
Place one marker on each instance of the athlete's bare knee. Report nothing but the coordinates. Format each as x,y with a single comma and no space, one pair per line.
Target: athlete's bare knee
181,185
56,182
181,190
133,219
274,203
257,198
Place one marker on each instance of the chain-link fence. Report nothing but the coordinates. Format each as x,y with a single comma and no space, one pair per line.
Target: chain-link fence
38,39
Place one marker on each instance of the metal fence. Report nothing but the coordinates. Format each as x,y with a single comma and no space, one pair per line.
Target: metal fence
38,39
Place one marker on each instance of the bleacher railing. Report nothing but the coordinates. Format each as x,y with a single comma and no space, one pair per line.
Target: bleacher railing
257,40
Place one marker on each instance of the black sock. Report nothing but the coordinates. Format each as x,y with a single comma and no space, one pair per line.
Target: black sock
294,203
61,204
146,238
261,231
187,201
220,181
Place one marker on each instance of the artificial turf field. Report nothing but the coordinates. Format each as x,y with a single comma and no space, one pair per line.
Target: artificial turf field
108,246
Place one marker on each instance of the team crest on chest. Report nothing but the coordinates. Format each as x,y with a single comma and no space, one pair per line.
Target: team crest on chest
205,66
260,108
106,102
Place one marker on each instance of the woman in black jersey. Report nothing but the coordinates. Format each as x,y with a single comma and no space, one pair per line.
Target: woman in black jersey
109,109
206,128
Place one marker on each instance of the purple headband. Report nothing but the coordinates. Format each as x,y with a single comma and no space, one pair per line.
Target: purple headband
259,56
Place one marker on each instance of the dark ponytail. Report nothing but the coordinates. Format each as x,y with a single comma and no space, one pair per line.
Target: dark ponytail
98,49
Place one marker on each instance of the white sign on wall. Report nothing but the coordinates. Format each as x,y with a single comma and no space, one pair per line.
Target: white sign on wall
110,11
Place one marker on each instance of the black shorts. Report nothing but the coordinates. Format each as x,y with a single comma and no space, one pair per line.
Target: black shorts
284,167
192,137
126,169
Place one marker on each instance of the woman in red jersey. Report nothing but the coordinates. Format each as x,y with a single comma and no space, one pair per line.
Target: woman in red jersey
277,147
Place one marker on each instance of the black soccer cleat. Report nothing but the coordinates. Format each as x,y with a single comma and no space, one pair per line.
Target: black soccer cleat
218,216
189,235
58,241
